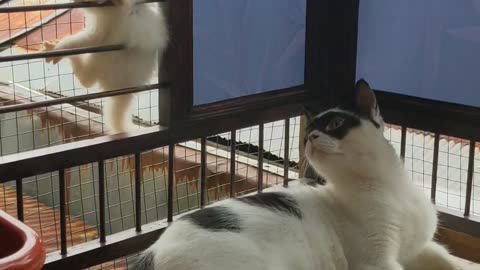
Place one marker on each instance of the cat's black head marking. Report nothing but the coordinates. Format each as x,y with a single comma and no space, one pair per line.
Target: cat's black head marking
360,104
334,123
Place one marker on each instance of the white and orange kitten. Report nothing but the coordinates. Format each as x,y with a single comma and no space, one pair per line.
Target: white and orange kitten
141,28
369,215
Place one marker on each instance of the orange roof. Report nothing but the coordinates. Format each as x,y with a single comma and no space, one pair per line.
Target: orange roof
31,35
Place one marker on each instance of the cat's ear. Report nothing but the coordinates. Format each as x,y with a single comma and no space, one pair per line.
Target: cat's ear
366,101
365,98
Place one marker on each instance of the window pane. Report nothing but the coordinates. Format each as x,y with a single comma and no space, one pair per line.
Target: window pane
244,47
427,48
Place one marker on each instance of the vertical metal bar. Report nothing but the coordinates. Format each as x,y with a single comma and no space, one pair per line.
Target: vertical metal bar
63,217
180,58
101,194
233,146
19,185
171,175
302,169
330,54
164,97
286,155
471,164
260,158
203,172
403,143
138,192
436,144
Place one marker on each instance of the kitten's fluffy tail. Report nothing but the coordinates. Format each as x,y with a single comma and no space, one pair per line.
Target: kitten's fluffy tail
117,112
433,257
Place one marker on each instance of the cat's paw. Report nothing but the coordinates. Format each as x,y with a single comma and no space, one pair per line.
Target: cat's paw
50,46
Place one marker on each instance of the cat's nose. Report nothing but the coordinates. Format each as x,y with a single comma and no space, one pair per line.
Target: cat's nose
312,137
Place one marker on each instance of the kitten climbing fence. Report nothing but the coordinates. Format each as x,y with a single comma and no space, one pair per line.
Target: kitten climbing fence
140,181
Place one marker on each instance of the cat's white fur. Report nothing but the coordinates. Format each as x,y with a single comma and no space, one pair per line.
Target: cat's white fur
383,220
270,241
141,28
369,216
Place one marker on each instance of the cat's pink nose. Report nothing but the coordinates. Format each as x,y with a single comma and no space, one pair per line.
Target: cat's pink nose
312,137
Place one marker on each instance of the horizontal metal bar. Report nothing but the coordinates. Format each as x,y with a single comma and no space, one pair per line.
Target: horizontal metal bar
64,52
265,107
94,252
65,5
454,220
430,115
57,101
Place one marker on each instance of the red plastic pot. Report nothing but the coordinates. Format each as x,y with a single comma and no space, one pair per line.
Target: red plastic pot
20,246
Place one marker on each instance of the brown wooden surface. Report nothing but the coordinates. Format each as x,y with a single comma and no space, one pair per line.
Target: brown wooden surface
460,244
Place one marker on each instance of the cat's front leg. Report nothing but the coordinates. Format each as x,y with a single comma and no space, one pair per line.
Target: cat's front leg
433,257
50,46
114,2
79,40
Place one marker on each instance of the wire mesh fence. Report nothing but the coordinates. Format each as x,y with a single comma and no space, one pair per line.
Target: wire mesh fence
236,163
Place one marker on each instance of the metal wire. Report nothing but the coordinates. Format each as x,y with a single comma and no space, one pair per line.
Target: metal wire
65,52
57,101
66,6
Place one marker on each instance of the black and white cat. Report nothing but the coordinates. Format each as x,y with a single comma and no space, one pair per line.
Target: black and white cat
368,216
383,220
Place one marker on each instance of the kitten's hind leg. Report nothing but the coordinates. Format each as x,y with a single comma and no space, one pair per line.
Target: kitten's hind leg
118,114
85,69
433,257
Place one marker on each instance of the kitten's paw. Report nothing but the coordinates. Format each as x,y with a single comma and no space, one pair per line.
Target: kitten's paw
50,46
114,2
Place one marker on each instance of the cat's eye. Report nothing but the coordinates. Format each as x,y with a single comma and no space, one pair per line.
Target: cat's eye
335,123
